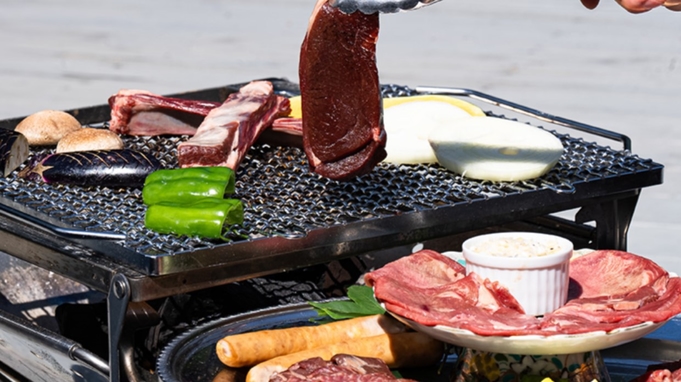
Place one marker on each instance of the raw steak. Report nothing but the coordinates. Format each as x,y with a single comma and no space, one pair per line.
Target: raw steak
341,367
224,137
343,133
599,299
139,112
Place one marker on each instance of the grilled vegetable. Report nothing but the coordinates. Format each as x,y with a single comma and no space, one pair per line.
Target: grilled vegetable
205,218
409,120
111,168
217,173
89,139
13,150
190,201
183,190
47,127
188,184
495,149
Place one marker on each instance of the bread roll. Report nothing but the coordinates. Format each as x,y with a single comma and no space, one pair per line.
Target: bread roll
47,127
90,139
412,349
248,349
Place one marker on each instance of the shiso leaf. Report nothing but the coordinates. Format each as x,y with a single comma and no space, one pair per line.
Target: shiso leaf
362,303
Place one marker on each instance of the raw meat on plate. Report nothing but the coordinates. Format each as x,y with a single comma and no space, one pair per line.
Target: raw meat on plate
608,290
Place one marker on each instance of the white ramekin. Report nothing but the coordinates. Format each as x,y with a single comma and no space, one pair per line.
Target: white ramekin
539,283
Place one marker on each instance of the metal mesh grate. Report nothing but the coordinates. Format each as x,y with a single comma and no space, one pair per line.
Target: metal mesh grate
281,197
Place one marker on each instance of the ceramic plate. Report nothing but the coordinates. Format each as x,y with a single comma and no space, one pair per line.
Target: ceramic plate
535,344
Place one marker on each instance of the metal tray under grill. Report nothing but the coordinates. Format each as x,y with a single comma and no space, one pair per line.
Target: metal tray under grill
294,218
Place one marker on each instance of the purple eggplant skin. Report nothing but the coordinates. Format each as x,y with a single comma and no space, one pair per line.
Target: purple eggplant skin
108,168
14,150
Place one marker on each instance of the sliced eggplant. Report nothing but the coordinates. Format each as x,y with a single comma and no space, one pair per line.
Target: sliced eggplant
110,168
13,150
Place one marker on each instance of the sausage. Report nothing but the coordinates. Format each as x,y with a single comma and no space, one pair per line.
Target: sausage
411,349
248,349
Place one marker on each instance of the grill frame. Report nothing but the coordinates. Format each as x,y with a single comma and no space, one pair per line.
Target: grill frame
610,176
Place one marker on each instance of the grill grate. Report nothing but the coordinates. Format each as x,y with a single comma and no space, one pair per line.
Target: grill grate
282,198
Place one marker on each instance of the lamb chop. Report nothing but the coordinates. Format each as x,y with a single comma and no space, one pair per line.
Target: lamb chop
228,131
139,112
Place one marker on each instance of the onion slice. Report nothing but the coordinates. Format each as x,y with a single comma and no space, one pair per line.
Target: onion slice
408,122
495,149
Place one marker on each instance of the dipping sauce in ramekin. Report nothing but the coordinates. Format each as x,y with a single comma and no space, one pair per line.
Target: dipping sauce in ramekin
532,266
517,246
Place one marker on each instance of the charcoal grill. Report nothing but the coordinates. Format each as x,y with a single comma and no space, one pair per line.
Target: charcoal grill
295,219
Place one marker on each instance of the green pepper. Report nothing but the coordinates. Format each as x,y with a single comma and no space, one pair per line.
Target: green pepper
188,184
183,191
204,218
217,173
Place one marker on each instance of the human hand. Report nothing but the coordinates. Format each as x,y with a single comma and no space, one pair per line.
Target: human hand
382,6
639,6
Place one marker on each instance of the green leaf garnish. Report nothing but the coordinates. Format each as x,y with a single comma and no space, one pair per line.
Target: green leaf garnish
362,303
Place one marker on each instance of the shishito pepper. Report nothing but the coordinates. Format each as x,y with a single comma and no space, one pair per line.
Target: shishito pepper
186,185
216,173
204,218
183,191
191,201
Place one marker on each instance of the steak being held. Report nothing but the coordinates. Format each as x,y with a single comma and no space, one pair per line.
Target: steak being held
343,133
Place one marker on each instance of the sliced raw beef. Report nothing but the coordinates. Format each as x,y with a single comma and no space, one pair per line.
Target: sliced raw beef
611,289
139,112
486,308
423,269
602,311
341,368
448,297
224,137
632,272
343,133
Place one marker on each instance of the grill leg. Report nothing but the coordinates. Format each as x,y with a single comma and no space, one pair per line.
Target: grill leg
612,218
117,302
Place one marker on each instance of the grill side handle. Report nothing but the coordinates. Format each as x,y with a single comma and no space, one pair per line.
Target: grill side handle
25,218
625,140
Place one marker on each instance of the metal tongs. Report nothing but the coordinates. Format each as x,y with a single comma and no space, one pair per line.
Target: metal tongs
381,6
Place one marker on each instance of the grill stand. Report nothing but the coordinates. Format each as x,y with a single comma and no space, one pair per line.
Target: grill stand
55,249
117,303
612,218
